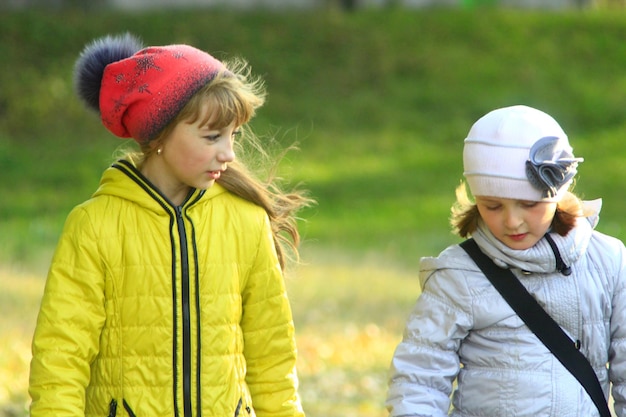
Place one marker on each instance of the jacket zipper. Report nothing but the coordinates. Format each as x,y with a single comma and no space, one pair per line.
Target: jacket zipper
112,408
185,312
133,173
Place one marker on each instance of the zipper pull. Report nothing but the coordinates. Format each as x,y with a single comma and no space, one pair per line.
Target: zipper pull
112,408
560,265
239,404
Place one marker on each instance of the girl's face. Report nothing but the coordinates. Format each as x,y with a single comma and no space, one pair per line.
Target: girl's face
519,224
193,155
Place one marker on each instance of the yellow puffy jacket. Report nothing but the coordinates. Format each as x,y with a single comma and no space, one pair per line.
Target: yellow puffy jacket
152,310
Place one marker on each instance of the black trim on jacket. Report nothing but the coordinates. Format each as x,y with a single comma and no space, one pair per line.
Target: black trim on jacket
177,214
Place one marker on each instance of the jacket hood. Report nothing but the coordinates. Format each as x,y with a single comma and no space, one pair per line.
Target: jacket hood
123,180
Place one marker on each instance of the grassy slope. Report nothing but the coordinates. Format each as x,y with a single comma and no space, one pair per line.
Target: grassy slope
380,103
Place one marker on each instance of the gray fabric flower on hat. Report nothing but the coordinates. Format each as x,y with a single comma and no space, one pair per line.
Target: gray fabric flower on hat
549,166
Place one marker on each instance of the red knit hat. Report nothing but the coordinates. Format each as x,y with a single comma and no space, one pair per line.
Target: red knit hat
139,91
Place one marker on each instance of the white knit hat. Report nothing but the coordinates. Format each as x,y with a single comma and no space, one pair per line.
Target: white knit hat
518,152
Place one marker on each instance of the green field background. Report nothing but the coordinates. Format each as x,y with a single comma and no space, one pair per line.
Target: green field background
379,102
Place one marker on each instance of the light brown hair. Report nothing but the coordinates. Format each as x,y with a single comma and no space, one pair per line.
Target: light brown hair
464,213
233,97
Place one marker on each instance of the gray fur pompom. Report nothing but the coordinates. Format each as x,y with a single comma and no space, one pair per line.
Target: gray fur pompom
89,67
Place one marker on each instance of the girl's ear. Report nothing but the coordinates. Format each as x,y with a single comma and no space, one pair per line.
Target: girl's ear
154,147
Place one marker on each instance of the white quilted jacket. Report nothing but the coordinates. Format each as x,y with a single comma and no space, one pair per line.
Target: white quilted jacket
462,329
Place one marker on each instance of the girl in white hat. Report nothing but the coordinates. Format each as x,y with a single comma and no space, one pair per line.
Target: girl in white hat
519,167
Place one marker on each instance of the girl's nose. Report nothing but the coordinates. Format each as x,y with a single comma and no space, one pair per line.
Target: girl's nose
227,153
512,219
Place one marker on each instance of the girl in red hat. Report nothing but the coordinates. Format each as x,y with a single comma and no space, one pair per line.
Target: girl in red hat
165,296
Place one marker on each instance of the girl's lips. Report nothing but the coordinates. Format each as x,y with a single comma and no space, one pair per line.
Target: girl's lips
518,237
215,174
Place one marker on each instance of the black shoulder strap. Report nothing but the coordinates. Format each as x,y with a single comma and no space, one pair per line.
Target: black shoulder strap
540,322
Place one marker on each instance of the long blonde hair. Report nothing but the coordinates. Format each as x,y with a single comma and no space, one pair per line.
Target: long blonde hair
464,213
234,96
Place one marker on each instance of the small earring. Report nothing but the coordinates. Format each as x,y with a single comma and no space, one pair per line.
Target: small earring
159,151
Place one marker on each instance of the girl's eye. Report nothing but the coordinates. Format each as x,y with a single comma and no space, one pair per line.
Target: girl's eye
529,204
490,205
236,133
212,138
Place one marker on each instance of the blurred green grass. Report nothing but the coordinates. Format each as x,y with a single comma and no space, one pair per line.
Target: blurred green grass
379,102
